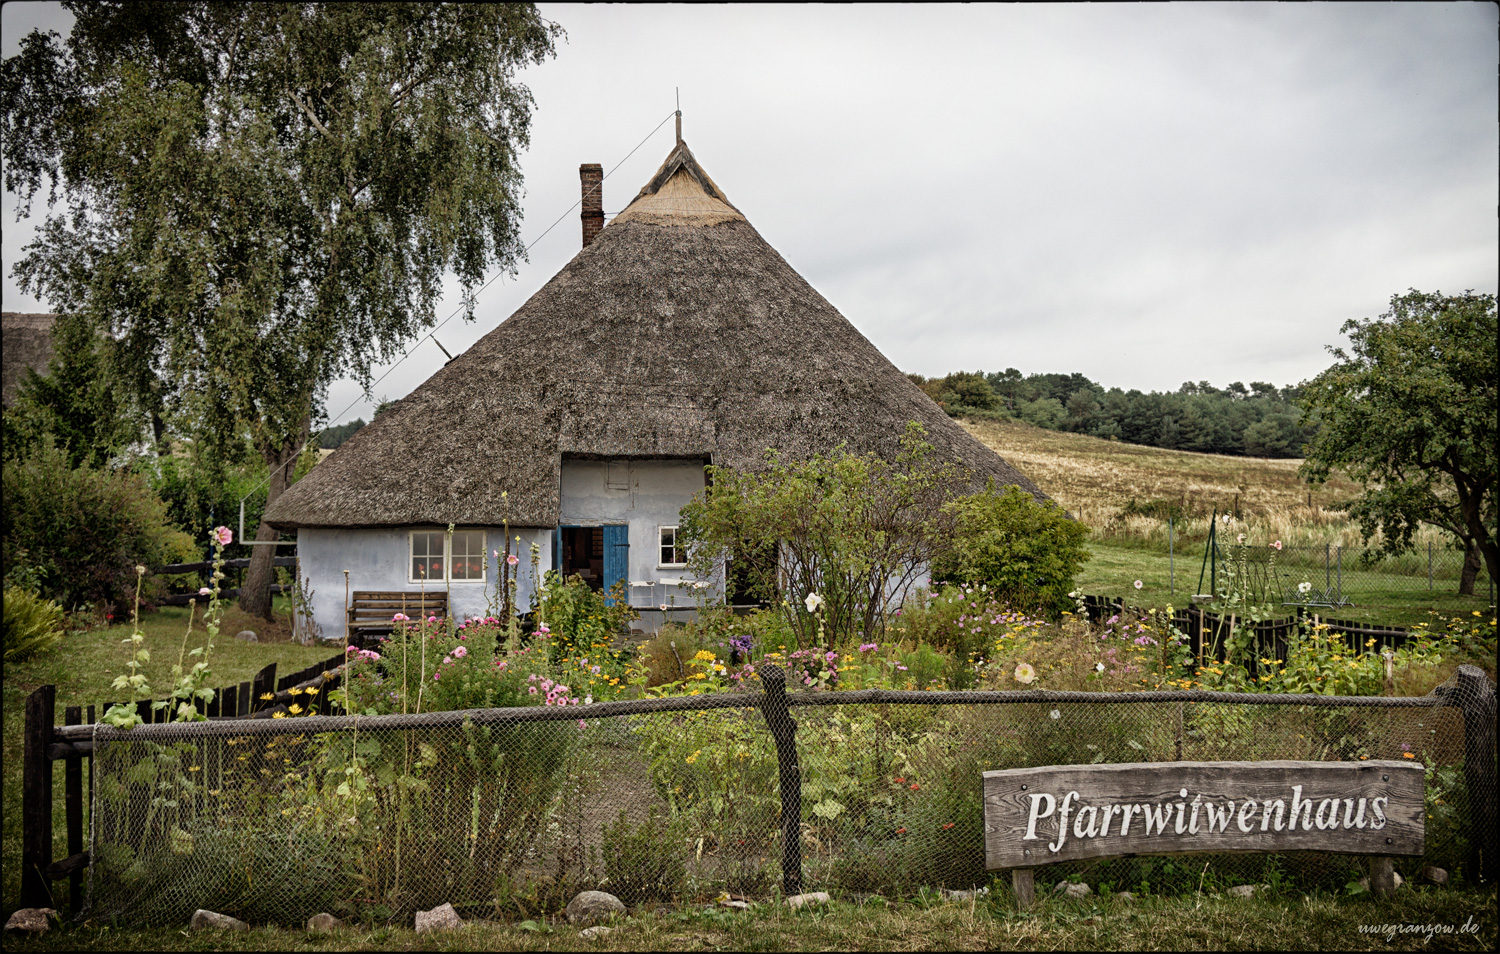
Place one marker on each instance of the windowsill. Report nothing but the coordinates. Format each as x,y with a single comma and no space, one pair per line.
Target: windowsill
436,583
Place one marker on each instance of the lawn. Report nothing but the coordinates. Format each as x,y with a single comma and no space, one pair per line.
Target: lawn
1287,922
85,665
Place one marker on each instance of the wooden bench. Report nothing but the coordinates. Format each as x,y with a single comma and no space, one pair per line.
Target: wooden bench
370,611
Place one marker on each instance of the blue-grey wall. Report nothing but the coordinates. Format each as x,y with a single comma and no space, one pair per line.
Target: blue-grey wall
379,559
642,495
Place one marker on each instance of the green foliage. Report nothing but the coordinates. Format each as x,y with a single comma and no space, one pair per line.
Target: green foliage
647,861
856,530
1411,416
579,619
77,402
32,625
84,530
202,493
265,198
335,434
1026,551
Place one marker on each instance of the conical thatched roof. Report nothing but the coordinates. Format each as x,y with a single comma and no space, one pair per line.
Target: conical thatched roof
678,332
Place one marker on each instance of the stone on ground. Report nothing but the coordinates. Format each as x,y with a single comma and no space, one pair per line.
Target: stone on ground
1125,896
441,918
323,923
812,897
247,635
214,921
1246,890
962,895
594,933
587,907
1070,890
1396,880
1435,875
30,920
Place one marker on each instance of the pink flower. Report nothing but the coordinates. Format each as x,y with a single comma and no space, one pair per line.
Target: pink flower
512,559
400,618
223,536
532,690
461,652
204,591
1277,544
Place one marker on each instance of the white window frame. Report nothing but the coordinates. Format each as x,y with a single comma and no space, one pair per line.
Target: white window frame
676,548
447,557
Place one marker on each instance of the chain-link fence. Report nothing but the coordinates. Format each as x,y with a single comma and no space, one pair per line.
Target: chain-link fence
1335,576
508,811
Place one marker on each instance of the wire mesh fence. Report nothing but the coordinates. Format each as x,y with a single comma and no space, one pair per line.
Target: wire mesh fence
505,810
1334,576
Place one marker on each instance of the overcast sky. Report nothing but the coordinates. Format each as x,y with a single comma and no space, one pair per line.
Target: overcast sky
1143,193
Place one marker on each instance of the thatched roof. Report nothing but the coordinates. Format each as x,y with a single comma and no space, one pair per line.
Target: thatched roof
27,339
678,332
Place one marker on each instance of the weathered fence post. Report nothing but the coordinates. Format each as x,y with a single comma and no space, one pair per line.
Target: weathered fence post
783,730
36,799
73,805
1478,701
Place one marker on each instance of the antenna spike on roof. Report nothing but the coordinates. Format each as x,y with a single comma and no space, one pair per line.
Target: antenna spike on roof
678,92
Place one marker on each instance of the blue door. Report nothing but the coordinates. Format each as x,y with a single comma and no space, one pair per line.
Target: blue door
616,554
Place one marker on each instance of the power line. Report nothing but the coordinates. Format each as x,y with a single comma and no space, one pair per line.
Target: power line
468,305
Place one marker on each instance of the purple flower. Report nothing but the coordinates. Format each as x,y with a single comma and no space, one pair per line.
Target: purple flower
867,647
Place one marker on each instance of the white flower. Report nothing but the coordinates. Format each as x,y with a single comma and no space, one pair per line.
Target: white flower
1098,667
1303,587
1240,538
1138,584
1025,675
1056,714
1227,519
813,602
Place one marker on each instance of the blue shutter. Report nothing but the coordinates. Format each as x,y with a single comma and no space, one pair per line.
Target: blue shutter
557,549
616,554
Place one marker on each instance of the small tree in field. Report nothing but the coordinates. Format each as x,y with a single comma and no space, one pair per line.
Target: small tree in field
1410,415
857,530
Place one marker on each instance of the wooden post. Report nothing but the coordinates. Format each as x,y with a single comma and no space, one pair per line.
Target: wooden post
242,703
783,731
36,799
1382,875
264,682
227,703
73,805
1478,701
1024,885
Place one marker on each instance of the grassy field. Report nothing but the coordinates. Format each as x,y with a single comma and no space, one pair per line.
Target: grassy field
82,670
1101,481
1289,922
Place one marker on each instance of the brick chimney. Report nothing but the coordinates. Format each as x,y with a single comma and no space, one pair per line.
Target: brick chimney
591,181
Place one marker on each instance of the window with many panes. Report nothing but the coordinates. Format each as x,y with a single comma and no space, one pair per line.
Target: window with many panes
672,553
461,554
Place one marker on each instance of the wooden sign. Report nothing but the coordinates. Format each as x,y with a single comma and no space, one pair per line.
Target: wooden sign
1038,816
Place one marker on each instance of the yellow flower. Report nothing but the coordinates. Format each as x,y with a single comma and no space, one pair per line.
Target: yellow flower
268,695
195,768
295,691
294,709
278,715
312,692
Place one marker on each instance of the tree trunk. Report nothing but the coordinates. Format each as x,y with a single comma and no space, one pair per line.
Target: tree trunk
1473,559
255,593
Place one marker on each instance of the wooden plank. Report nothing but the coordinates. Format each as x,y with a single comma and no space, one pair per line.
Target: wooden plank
228,702
243,702
70,867
1059,813
36,799
264,682
1023,883
1382,875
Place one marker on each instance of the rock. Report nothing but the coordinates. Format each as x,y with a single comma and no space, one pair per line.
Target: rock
1242,891
594,933
735,905
1070,890
247,635
214,921
441,918
1434,875
1125,896
591,906
30,920
812,897
968,895
323,923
